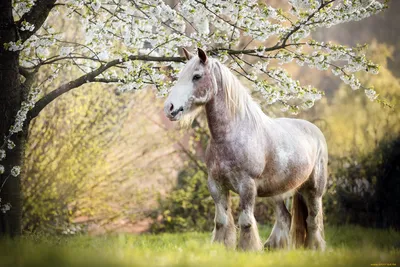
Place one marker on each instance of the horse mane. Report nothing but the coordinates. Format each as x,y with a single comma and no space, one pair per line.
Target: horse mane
238,100
240,103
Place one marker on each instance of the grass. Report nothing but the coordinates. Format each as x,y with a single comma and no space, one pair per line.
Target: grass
347,246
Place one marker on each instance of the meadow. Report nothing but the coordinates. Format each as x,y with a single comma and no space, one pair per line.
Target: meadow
347,246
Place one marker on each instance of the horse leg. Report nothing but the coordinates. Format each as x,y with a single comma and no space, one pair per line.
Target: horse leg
279,237
312,194
249,238
224,226
315,224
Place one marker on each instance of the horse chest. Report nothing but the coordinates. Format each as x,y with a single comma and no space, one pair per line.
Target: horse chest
231,164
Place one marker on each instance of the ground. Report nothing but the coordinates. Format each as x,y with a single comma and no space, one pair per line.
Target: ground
346,246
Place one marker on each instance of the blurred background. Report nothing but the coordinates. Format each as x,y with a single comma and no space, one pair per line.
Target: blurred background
95,165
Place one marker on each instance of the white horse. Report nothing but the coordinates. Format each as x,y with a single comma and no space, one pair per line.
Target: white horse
254,155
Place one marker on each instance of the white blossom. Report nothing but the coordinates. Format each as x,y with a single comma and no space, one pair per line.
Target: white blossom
10,144
5,207
15,171
22,7
371,94
65,50
22,113
303,4
26,26
96,5
103,55
155,28
13,46
203,26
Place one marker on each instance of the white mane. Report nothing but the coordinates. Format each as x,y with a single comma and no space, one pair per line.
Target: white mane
239,102
238,99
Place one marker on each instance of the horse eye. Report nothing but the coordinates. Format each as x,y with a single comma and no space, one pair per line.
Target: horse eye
196,77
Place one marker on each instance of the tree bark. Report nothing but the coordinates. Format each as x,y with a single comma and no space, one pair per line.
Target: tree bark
10,102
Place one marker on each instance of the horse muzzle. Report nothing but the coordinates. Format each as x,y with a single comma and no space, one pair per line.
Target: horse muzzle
173,113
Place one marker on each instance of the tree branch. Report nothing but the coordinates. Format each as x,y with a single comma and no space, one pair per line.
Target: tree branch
24,72
36,16
298,27
90,77
251,52
103,80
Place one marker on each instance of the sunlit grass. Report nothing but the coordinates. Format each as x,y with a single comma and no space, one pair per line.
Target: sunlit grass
347,246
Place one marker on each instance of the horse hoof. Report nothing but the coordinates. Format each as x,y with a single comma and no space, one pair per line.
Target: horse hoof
268,246
276,244
316,243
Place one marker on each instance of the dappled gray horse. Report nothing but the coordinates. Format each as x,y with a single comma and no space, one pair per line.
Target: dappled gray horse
254,155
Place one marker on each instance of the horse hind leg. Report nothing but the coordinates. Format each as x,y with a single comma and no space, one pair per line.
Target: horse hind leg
315,225
279,237
312,194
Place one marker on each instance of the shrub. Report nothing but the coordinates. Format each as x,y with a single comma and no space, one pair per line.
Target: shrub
188,207
364,190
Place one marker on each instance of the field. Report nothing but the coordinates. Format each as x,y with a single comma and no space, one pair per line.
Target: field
347,246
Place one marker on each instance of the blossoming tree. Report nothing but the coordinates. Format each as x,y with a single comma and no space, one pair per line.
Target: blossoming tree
134,44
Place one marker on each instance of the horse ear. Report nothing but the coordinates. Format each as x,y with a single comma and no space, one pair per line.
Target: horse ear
188,55
202,55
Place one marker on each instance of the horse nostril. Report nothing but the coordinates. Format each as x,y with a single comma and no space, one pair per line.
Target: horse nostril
174,113
171,108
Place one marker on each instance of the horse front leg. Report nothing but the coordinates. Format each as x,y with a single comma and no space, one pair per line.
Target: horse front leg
224,226
279,237
249,238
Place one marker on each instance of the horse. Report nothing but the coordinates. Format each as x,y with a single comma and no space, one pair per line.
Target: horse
254,155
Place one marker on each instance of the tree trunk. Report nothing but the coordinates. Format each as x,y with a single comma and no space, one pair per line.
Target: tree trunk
10,102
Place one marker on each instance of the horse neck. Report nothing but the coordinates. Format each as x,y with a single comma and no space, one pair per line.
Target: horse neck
220,121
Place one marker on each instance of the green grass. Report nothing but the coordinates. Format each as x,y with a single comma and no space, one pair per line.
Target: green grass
347,246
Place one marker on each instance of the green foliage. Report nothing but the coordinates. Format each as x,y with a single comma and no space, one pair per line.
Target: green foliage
365,191
87,161
189,207
347,246
57,157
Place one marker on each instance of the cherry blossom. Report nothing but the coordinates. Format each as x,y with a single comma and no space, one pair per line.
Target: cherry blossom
134,44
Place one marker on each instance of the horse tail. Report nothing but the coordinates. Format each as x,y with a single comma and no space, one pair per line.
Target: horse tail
298,228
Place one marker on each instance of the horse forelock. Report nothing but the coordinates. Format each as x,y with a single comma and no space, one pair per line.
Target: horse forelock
189,68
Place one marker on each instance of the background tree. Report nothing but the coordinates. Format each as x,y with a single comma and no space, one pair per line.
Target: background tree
89,167
134,43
